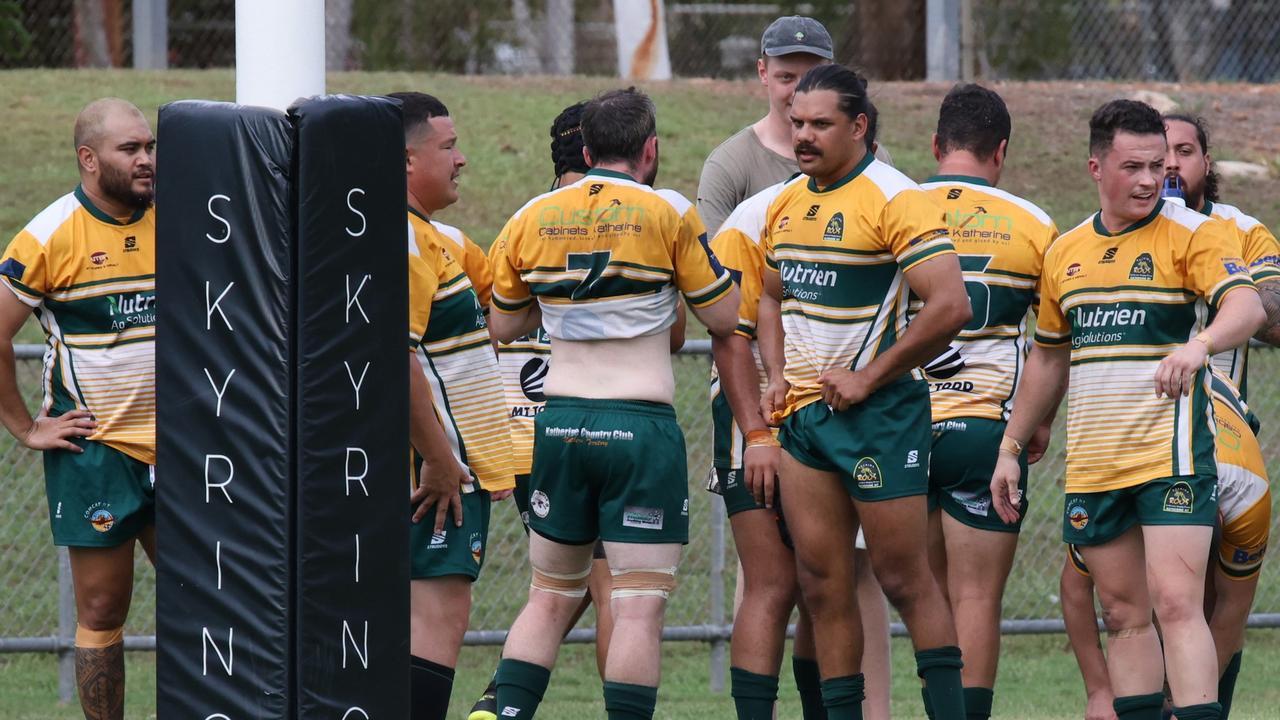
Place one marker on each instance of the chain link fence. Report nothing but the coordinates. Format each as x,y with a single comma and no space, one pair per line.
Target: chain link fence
1159,40
37,609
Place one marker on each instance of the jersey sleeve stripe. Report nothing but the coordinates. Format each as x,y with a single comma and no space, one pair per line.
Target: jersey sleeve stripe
1227,285
926,251
712,292
505,305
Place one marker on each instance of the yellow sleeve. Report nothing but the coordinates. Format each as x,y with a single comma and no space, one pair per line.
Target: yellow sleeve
476,265
744,261
1213,264
24,268
424,280
914,229
698,274
1043,243
509,292
1052,328
1262,253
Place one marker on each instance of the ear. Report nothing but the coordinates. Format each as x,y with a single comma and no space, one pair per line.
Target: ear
1095,168
860,125
88,159
1002,152
937,151
762,71
650,149
586,157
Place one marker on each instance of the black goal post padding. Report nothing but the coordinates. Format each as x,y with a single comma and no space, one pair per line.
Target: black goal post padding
223,466
352,571
282,382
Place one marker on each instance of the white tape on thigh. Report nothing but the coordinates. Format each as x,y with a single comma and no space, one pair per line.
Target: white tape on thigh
643,582
572,585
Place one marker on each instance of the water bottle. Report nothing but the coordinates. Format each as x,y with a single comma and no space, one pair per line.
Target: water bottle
1172,190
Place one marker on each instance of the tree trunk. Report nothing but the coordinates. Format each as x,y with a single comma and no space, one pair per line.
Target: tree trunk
337,34
92,48
891,35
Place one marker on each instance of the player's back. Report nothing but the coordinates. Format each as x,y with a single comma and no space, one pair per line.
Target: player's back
605,258
1001,239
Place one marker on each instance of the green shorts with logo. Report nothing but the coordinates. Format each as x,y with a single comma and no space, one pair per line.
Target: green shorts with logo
1099,517
960,468
455,550
731,484
879,447
609,469
521,496
98,498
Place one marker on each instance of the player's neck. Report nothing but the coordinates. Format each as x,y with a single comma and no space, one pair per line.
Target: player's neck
841,173
963,164
619,167
1116,223
115,209
417,206
774,132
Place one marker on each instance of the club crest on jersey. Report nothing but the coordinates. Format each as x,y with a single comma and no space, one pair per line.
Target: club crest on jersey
867,474
1144,268
1077,515
1180,498
835,228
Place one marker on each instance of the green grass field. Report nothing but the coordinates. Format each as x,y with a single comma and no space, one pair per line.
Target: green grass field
1038,681
503,129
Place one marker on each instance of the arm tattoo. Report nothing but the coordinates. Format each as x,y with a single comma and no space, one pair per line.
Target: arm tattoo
1270,292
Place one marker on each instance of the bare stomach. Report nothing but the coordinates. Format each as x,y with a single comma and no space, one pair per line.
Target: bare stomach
633,369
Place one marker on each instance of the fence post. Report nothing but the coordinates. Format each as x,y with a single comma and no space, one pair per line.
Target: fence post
717,592
66,629
150,34
942,40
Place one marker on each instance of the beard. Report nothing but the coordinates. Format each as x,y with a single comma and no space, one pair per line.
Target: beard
652,176
118,185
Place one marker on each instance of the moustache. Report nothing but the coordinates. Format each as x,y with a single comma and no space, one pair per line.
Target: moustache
807,148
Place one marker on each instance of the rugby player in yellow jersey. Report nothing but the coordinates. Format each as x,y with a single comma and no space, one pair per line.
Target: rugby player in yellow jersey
845,244
1243,497
86,267
744,472
1188,158
599,264
1124,297
458,420
1001,239
524,364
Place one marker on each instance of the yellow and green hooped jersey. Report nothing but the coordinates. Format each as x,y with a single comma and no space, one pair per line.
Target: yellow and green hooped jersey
90,280
842,252
1261,254
448,332
1001,239
1122,302
605,257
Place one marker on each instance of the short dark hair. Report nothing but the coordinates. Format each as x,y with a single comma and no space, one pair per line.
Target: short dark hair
1129,116
566,140
417,108
616,125
1202,135
973,119
848,84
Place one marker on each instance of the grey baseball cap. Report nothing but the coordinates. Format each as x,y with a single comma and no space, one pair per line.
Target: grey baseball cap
796,34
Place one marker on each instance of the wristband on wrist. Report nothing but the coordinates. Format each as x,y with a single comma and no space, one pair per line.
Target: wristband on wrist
1011,446
762,438
1207,339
